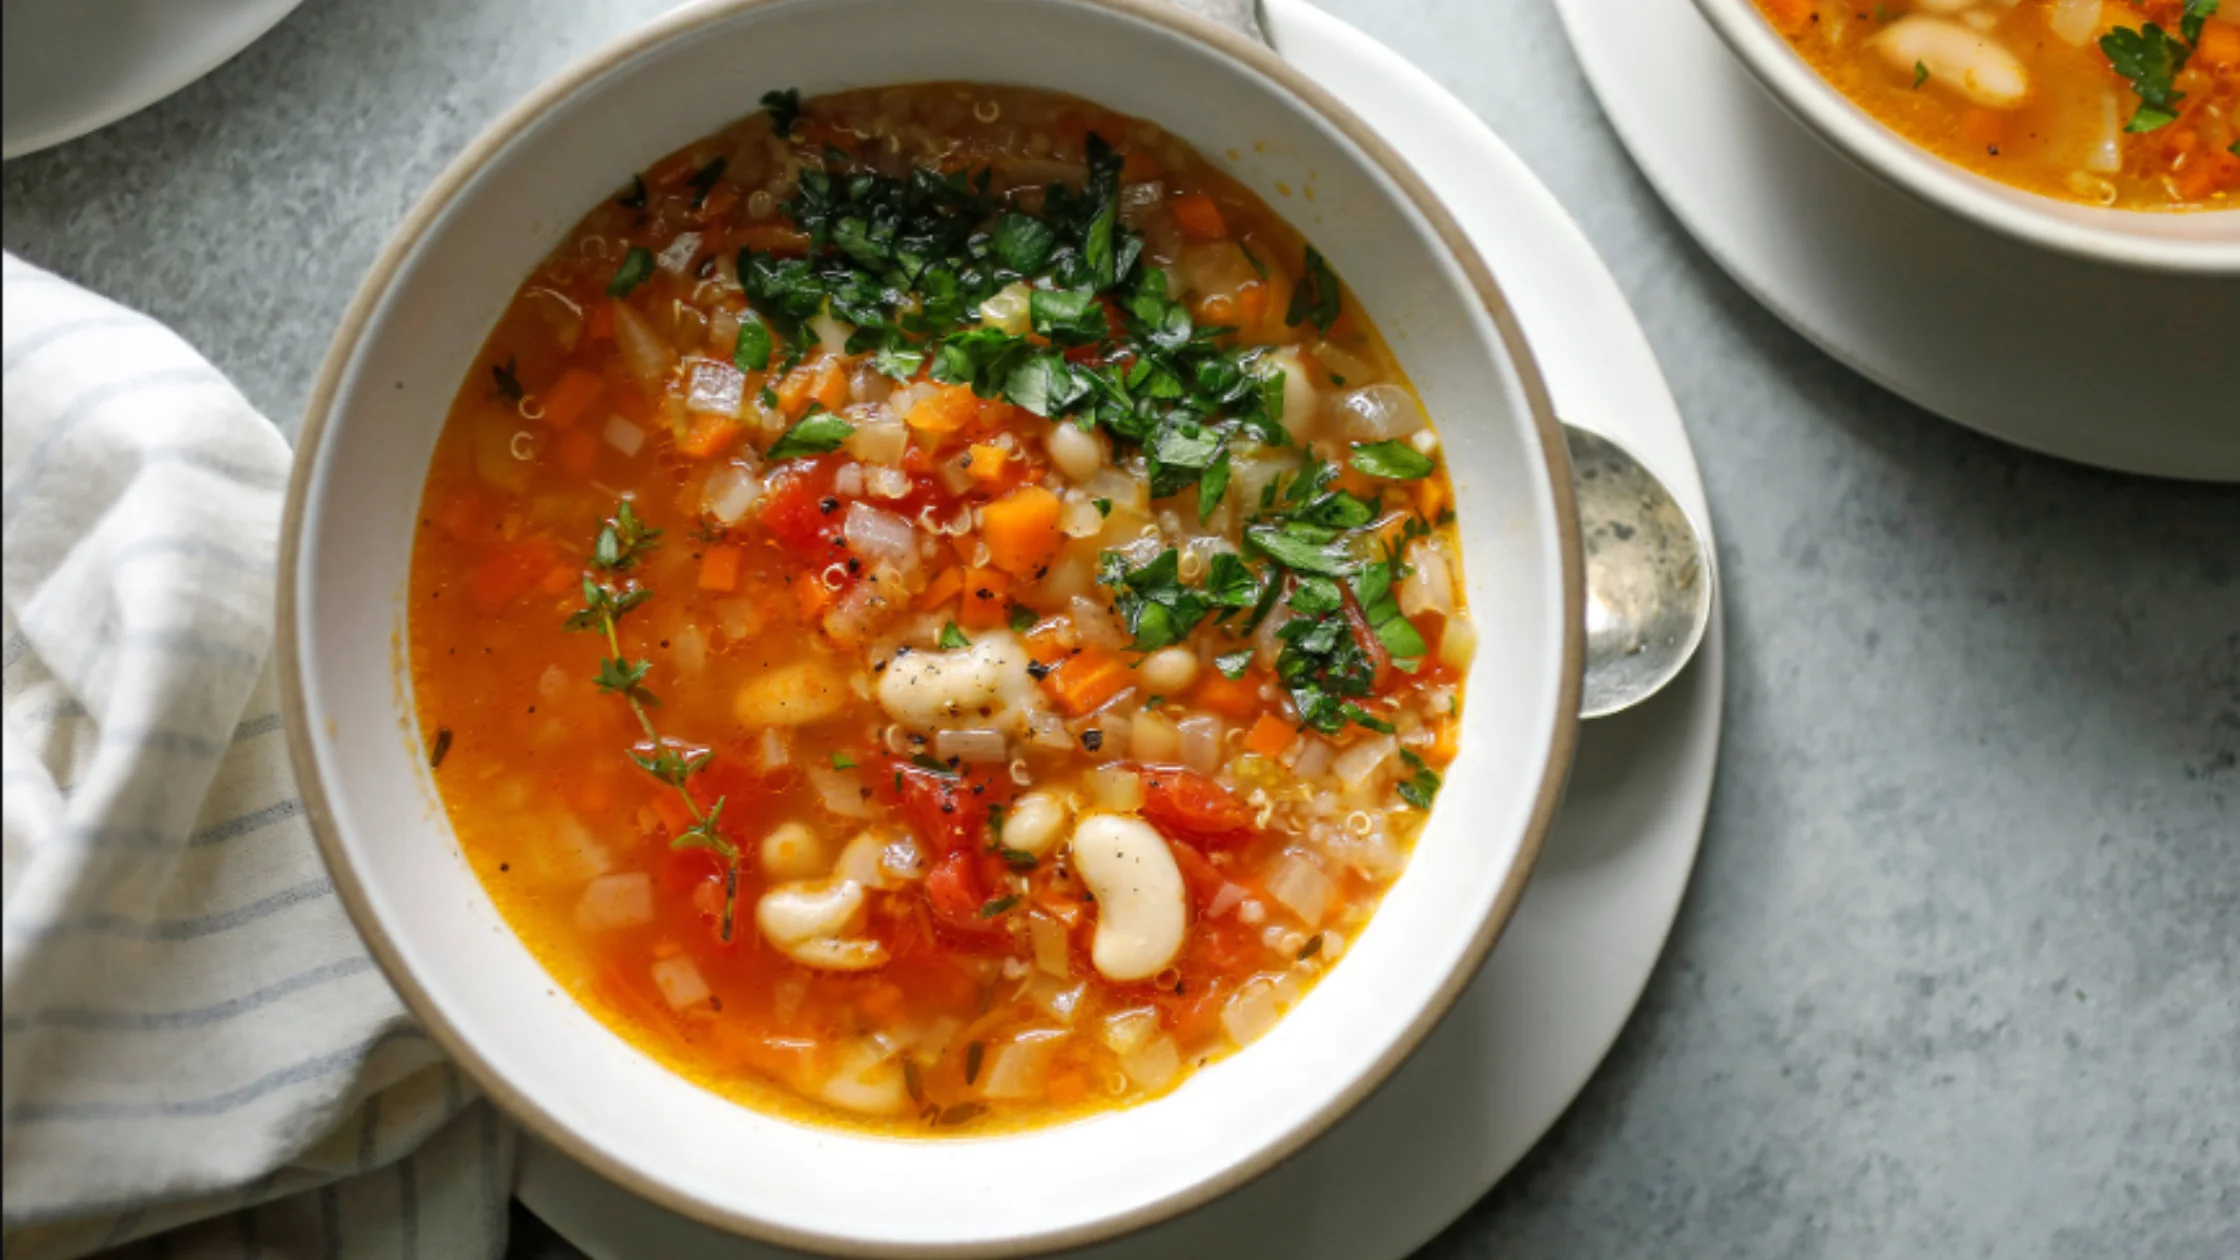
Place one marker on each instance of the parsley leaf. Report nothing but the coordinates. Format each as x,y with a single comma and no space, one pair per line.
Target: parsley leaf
1022,243
1022,619
1156,606
1230,582
635,199
1920,73
508,377
1419,788
1213,484
1394,461
2197,12
785,109
953,638
1292,551
752,350
815,434
1233,664
1317,296
1068,317
636,269
2151,60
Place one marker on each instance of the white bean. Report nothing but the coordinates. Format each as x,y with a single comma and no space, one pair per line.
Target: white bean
985,685
1974,65
867,1080
793,851
1077,452
791,695
1139,895
1170,669
815,924
1033,823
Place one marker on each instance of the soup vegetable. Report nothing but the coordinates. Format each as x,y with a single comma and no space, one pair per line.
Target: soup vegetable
935,608
2128,103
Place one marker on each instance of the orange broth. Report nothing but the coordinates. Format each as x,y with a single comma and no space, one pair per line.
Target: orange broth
2042,105
839,530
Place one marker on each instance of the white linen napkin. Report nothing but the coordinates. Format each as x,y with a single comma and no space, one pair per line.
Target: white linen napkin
193,1031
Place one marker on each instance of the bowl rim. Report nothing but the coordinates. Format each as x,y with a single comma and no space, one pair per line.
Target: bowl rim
1874,146
291,658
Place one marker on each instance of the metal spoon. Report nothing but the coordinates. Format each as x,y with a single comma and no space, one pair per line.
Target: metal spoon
1649,576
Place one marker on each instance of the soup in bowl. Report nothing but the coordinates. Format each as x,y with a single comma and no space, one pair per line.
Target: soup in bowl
929,644
2105,128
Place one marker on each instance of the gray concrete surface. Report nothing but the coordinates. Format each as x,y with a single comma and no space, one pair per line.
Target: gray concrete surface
1959,974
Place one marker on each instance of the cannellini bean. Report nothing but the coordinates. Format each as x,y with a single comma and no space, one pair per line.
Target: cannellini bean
1034,823
793,851
791,695
815,924
985,685
867,1080
1139,895
879,857
1077,452
1976,66
616,901
1170,669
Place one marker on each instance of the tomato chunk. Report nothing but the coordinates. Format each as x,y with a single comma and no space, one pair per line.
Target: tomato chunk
1182,801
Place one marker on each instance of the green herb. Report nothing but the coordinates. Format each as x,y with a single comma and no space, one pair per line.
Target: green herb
842,761
508,378
1230,583
997,905
1152,600
1920,74
1103,506
441,749
953,638
1311,948
635,199
933,765
1372,587
1068,317
2197,12
2151,60
704,180
1213,484
752,350
817,433
1317,296
1022,619
623,540
1419,788
974,1053
636,269
785,109
1233,664
898,362
1394,461
1297,549
1022,243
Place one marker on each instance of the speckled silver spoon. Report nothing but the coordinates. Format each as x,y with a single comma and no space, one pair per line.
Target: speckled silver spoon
1649,576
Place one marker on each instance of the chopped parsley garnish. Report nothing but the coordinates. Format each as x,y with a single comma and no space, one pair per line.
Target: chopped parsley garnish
842,761
508,378
932,765
785,109
635,199
1156,606
1233,664
1420,787
998,905
636,269
1317,297
817,433
1022,618
752,350
1393,461
2151,60
1920,73
441,748
1311,948
2197,13
704,180
953,638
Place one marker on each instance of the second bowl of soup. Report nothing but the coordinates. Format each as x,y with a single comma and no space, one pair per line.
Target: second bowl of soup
928,644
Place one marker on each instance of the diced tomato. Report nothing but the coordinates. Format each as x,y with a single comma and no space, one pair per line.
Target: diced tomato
948,815
1371,646
801,512
1186,803
954,890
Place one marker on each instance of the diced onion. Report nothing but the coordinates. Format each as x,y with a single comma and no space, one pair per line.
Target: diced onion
688,650
551,683
715,388
1021,1067
878,535
1125,1032
1301,886
1155,1065
774,751
1095,626
678,255
1458,643
981,747
623,435
848,481
882,441
1430,586
1056,997
1050,953
576,840
1360,763
1225,899
643,352
730,493
2074,20
1250,1013
616,901
1078,517
1117,789
680,981
1376,413
886,483
1007,309
1313,759
1201,742
840,790
2106,153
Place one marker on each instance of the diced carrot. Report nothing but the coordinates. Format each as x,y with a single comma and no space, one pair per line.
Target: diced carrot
984,606
719,568
1087,679
1431,497
811,594
601,326
1449,741
709,435
560,578
1198,217
571,396
674,817
1218,309
2219,45
1252,305
719,202
1790,15
830,384
942,589
1021,530
576,450
988,460
1043,645
1270,736
1232,698
1067,1087
595,793
942,409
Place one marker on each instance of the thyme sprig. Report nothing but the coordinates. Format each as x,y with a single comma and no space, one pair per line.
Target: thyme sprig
608,594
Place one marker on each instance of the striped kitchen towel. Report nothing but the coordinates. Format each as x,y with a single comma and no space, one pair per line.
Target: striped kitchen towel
198,1050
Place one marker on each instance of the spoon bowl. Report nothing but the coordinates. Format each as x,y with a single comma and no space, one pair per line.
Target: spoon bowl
1649,576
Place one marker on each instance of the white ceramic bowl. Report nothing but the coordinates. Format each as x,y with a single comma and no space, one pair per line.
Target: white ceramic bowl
407,342
2200,243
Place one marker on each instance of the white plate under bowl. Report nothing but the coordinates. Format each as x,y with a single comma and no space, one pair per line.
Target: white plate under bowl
1525,1037
2119,368
75,65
